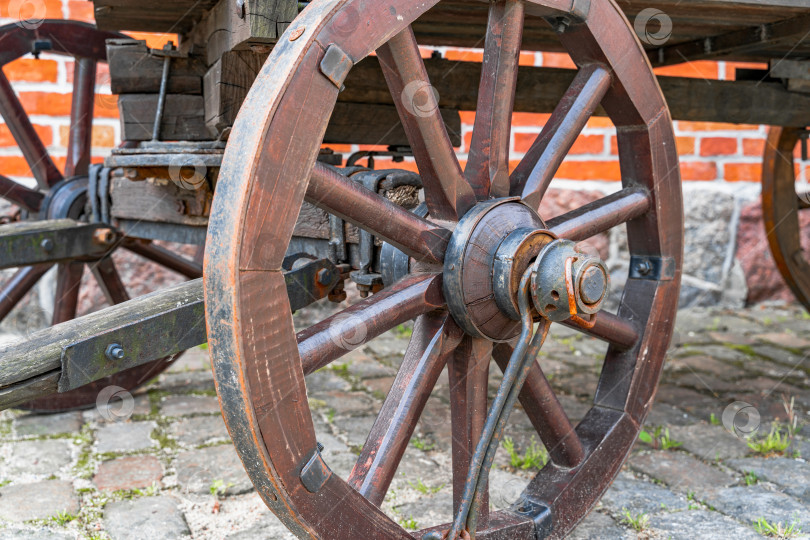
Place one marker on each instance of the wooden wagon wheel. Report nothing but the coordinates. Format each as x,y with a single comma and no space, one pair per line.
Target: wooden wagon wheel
62,195
268,171
780,211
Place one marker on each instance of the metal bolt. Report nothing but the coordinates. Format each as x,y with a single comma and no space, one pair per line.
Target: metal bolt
115,352
562,24
104,237
323,276
47,245
592,284
644,267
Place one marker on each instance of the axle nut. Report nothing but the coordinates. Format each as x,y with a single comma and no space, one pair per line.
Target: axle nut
592,283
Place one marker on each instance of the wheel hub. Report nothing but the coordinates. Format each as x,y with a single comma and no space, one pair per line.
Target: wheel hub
491,249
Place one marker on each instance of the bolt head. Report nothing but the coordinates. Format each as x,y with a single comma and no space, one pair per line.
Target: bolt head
644,267
323,276
115,352
47,245
592,284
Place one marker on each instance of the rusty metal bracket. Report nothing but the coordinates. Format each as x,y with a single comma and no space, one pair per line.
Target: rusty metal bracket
315,472
162,324
165,324
27,243
653,268
336,65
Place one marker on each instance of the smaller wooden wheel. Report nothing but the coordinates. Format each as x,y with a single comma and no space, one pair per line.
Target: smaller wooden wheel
781,209
62,195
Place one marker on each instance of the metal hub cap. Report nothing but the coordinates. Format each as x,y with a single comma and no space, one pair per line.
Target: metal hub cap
491,248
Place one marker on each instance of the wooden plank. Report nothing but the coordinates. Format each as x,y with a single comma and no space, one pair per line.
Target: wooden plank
227,27
133,70
175,16
162,200
741,41
539,90
362,123
226,86
183,118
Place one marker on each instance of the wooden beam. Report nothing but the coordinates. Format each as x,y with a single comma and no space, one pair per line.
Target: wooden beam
226,87
540,89
256,24
183,117
738,42
134,70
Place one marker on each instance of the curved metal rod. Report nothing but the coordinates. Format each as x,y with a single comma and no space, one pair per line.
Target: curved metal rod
513,378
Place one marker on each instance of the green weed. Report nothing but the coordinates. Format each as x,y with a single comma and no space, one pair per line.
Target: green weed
776,530
535,455
637,523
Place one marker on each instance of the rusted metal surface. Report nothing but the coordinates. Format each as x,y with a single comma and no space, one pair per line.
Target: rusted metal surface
260,362
780,211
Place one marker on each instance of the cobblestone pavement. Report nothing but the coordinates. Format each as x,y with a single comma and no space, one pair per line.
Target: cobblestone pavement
169,471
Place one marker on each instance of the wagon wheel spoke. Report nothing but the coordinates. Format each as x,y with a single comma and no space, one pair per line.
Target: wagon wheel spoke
22,196
434,338
339,195
601,215
81,117
333,337
165,258
468,371
487,167
35,153
19,285
610,328
447,193
534,173
545,413
68,283
109,280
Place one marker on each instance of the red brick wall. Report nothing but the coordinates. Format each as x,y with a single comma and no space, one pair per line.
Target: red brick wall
709,152
44,87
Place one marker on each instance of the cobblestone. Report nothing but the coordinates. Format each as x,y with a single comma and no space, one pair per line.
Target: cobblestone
215,467
180,476
47,424
25,502
156,518
125,437
680,471
699,524
129,473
